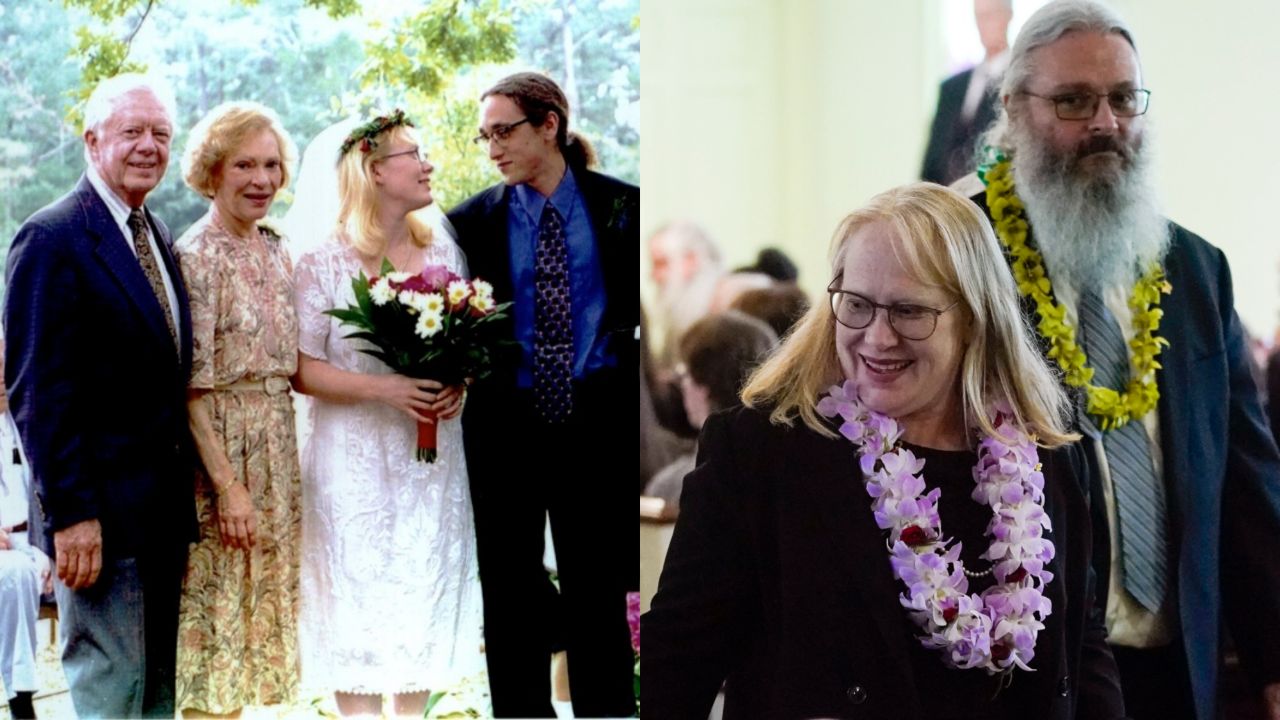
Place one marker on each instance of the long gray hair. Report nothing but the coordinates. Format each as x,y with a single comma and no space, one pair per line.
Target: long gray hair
1045,27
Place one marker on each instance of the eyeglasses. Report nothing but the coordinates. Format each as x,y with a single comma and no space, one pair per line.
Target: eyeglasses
498,133
419,152
913,322
1083,105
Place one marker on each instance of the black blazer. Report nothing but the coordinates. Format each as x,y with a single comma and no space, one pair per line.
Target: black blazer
1221,469
952,150
777,579
97,389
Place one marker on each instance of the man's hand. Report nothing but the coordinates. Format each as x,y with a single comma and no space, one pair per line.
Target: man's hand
78,553
1271,700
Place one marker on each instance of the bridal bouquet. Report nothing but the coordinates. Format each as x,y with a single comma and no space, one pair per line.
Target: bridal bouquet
431,325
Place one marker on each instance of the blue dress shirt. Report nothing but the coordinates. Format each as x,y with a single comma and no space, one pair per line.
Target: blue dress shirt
586,282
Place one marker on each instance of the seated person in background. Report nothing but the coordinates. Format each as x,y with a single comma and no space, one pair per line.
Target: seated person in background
24,571
780,305
773,262
733,285
716,356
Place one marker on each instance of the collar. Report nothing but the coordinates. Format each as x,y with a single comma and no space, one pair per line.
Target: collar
119,210
533,203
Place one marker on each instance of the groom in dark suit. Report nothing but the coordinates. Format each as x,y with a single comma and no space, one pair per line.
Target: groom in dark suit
559,240
98,354
1190,484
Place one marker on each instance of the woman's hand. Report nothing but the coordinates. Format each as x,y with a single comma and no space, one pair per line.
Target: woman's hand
236,517
449,402
412,396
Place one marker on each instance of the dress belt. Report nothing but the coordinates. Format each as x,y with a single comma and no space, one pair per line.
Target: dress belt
20,527
274,385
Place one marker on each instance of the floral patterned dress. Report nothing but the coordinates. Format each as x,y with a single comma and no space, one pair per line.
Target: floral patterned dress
390,585
237,627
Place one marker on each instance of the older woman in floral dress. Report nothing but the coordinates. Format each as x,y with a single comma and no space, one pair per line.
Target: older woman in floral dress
237,640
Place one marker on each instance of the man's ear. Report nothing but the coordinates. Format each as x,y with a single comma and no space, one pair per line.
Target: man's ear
551,125
91,141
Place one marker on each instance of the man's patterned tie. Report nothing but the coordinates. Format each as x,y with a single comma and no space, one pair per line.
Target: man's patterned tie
138,224
552,321
1141,505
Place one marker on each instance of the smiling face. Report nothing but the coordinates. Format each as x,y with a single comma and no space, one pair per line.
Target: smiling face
130,149
915,381
528,152
248,179
403,174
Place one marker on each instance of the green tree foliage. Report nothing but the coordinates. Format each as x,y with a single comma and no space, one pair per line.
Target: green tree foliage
314,62
592,48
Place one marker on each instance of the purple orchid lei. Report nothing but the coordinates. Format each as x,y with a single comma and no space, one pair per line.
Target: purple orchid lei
997,630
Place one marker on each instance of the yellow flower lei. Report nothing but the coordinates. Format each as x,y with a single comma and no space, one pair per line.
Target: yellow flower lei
1111,408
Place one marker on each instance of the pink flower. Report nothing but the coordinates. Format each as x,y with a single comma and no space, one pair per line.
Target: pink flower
437,277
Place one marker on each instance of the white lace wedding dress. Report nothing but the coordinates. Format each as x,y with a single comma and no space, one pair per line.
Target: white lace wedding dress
390,590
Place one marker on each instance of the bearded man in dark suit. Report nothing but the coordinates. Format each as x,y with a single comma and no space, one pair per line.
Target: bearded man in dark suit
1189,473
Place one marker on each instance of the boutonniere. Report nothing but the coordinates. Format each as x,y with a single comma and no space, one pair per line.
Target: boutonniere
620,217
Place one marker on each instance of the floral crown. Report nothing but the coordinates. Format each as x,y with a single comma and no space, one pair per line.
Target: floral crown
364,135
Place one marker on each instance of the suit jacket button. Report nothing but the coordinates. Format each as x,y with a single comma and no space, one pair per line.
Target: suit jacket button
856,694
1064,685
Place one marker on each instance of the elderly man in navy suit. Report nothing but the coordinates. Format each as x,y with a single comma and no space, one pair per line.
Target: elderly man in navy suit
560,240
1190,476
99,350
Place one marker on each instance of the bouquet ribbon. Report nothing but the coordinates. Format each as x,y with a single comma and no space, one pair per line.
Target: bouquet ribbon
427,437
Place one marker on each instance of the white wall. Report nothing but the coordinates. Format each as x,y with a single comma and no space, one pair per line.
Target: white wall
768,120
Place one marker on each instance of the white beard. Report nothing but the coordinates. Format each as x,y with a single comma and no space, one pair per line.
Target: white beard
682,305
1094,230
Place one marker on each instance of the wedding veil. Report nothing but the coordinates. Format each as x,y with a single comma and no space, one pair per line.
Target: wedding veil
313,217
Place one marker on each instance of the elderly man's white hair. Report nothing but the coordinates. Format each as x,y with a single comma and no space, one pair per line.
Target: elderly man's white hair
107,95
688,236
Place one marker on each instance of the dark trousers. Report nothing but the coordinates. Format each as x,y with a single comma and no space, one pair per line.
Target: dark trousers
120,637
523,469
1156,682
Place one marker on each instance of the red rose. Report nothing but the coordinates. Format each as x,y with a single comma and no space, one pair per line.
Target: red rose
416,283
914,535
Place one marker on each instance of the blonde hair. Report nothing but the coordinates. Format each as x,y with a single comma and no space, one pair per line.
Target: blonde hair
358,224
221,132
943,240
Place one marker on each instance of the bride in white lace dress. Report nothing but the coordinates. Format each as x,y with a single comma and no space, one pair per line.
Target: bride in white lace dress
390,592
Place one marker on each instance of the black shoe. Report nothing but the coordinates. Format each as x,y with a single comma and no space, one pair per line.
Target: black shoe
20,707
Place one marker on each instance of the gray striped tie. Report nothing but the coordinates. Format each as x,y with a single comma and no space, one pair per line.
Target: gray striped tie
1140,499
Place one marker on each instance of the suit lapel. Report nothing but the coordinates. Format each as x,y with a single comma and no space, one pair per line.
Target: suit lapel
493,261
617,251
845,508
165,243
120,261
